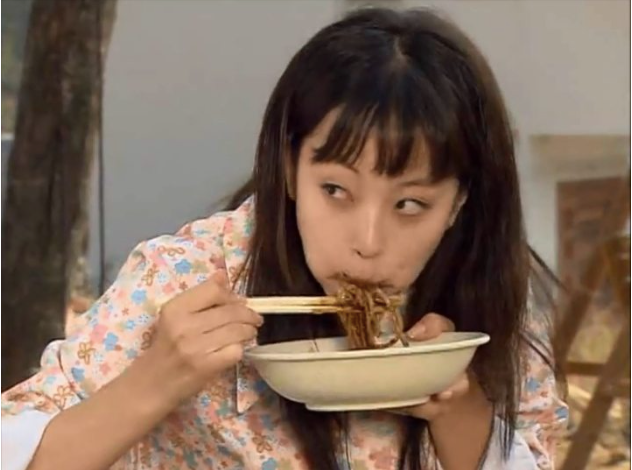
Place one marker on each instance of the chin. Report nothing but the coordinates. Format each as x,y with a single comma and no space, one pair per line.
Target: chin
331,290
330,287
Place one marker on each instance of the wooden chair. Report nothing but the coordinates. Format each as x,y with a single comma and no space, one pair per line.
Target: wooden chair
610,261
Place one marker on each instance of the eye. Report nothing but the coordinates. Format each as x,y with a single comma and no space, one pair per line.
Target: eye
333,190
411,206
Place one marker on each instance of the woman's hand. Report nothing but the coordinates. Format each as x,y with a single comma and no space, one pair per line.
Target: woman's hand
431,326
200,333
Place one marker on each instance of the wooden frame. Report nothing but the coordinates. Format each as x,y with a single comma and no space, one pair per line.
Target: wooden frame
611,259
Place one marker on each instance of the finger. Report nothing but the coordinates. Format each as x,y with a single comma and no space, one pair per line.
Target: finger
218,317
430,326
203,296
227,356
459,388
221,277
233,333
221,359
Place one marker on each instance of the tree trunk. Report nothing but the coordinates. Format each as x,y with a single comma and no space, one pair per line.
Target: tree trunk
45,220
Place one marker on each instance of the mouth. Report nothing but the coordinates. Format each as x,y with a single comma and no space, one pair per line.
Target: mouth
367,282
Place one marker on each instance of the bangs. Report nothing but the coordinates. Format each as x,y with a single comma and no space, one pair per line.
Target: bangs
411,120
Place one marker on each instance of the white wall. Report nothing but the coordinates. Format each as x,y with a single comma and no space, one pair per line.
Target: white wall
187,81
186,85
564,68
563,64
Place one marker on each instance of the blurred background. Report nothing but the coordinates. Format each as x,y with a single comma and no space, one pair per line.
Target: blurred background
171,129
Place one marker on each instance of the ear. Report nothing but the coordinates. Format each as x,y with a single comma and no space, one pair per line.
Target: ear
290,176
458,204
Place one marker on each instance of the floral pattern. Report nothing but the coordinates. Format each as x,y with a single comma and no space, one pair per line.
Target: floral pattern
235,423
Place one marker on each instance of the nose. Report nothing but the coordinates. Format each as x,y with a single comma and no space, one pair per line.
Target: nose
369,236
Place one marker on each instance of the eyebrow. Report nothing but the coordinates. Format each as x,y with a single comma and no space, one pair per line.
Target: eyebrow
422,181
346,165
351,167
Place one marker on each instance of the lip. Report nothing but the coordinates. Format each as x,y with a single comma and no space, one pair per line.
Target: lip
335,284
344,276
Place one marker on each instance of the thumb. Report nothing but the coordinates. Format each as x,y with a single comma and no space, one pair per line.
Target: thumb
430,326
221,278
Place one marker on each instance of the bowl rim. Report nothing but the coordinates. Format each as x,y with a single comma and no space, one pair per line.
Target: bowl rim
472,339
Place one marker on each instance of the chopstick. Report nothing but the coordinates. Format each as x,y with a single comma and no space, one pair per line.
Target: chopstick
285,305
301,305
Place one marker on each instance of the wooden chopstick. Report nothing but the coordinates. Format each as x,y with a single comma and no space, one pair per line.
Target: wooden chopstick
299,305
284,305
299,309
292,301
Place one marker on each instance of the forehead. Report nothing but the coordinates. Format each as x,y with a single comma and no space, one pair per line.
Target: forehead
369,155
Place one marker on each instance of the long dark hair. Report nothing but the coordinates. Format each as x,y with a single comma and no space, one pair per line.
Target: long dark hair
410,76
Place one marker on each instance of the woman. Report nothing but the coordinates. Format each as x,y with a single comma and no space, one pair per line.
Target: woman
385,156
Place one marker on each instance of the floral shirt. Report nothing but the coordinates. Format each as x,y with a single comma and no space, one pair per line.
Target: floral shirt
235,423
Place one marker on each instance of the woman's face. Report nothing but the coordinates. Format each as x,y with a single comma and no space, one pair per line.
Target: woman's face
369,227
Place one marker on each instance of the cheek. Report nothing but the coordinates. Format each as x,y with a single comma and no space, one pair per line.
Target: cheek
310,212
413,249
410,262
318,238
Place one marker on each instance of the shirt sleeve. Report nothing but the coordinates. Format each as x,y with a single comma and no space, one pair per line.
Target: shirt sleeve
21,435
542,414
117,329
520,455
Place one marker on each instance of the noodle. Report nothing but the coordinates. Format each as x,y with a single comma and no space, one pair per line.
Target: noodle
364,309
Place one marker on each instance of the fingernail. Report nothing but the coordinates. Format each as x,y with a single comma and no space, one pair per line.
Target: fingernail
417,332
446,395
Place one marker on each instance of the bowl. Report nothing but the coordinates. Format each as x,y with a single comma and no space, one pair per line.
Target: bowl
326,376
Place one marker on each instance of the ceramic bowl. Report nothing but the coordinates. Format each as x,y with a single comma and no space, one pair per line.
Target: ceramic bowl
326,376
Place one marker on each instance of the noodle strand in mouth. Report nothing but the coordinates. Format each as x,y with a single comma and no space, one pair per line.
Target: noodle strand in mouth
364,309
